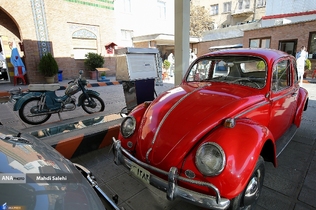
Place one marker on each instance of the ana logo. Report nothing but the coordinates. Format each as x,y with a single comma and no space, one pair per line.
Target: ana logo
7,178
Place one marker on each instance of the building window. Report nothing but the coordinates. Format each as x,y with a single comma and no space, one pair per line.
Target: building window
126,34
243,4
288,46
312,45
255,43
83,42
227,7
127,6
247,4
240,4
214,9
261,3
162,10
265,43
260,43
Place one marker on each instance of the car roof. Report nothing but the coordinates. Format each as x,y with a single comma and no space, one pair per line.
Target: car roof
266,53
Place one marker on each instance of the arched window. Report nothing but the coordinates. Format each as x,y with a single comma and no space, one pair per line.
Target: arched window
83,42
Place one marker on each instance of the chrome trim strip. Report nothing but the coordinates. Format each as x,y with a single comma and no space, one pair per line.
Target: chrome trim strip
281,96
261,104
147,155
170,187
172,108
251,109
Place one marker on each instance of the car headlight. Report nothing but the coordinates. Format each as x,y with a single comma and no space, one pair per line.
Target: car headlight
210,159
128,126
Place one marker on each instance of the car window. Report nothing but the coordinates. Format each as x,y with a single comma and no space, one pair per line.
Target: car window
241,70
281,77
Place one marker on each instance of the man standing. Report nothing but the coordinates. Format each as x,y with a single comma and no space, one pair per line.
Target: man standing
301,57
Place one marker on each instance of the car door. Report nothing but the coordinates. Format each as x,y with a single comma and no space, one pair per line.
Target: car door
283,96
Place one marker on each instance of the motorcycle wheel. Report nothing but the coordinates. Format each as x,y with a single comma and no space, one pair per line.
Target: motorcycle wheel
26,114
96,106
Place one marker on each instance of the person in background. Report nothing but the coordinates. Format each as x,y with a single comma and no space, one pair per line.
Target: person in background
302,53
301,57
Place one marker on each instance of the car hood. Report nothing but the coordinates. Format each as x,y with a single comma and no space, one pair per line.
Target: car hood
36,176
177,119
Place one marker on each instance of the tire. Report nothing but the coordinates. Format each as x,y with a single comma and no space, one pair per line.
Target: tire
93,108
25,111
254,185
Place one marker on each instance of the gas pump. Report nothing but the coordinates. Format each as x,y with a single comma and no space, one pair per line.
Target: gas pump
137,68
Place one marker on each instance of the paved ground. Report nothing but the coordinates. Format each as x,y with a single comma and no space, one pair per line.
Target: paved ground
290,186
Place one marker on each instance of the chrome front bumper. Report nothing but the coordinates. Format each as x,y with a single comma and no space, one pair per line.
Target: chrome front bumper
121,156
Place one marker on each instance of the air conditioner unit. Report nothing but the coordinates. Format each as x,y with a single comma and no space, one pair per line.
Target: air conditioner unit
278,22
282,21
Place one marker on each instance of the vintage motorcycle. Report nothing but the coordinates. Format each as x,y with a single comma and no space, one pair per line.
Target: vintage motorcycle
36,105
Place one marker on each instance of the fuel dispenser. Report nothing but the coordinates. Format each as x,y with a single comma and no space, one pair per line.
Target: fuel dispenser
137,68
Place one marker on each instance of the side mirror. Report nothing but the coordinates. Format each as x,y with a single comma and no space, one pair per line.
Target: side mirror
80,72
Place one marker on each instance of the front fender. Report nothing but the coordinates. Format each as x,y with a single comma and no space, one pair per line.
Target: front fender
242,146
82,96
302,102
137,113
18,104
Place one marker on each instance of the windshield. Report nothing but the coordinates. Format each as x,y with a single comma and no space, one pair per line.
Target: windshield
242,70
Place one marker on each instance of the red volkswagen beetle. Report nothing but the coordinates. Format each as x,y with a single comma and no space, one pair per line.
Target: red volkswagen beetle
206,140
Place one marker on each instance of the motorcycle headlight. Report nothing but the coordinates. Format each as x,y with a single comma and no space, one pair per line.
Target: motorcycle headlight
128,126
210,159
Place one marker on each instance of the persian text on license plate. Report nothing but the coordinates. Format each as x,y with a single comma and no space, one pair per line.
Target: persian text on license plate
140,172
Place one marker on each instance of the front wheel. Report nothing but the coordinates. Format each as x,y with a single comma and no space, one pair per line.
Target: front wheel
30,112
92,104
249,197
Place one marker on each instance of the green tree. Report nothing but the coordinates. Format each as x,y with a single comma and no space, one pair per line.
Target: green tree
308,64
48,65
200,20
93,61
166,64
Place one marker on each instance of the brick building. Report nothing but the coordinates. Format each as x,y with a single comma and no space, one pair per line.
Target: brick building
67,29
288,38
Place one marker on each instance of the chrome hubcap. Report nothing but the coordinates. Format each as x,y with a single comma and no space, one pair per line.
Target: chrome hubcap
253,189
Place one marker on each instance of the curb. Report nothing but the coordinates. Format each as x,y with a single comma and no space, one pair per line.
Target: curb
73,143
82,144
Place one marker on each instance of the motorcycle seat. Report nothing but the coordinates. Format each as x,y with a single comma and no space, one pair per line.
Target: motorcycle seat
44,87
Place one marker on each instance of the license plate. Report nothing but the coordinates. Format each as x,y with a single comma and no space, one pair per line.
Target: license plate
140,172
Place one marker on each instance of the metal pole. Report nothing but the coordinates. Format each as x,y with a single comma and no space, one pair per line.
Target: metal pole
182,39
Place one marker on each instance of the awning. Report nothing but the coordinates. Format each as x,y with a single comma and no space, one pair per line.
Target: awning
160,39
225,47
